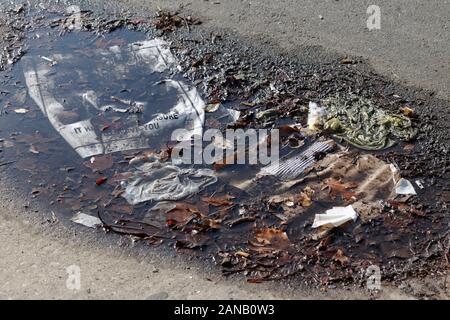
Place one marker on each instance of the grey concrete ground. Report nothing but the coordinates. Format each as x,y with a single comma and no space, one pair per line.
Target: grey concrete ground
412,47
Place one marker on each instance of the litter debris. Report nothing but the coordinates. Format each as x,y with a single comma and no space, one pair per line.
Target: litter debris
293,167
21,110
267,115
315,116
360,123
100,181
420,184
405,187
52,62
368,210
33,149
117,98
157,181
212,107
86,220
375,178
336,217
150,56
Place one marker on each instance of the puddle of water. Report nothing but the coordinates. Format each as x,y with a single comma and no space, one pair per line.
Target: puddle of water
90,96
118,95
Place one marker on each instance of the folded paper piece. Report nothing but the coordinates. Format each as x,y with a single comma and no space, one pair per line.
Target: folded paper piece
335,217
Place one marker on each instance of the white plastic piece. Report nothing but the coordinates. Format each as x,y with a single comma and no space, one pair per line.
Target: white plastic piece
336,216
21,110
292,167
86,220
420,184
315,114
155,181
404,187
152,56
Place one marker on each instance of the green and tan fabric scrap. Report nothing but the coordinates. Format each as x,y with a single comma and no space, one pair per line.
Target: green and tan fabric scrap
363,125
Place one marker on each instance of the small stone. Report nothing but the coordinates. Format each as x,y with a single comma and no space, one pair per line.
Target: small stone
158,296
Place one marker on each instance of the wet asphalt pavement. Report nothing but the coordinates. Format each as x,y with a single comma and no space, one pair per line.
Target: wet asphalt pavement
241,232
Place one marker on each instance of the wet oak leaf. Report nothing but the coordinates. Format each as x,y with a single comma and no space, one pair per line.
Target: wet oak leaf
181,215
212,223
337,187
274,237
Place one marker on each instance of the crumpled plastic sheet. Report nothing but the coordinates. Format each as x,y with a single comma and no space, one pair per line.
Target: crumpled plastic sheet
405,187
156,181
363,125
152,57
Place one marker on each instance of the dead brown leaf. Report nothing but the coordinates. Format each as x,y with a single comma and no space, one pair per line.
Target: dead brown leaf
340,257
303,199
193,241
407,111
121,208
273,237
242,254
217,201
181,215
337,187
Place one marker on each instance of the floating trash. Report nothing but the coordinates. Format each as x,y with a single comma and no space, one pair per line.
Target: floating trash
363,125
315,115
168,105
156,181
293,167
335,217
405,187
